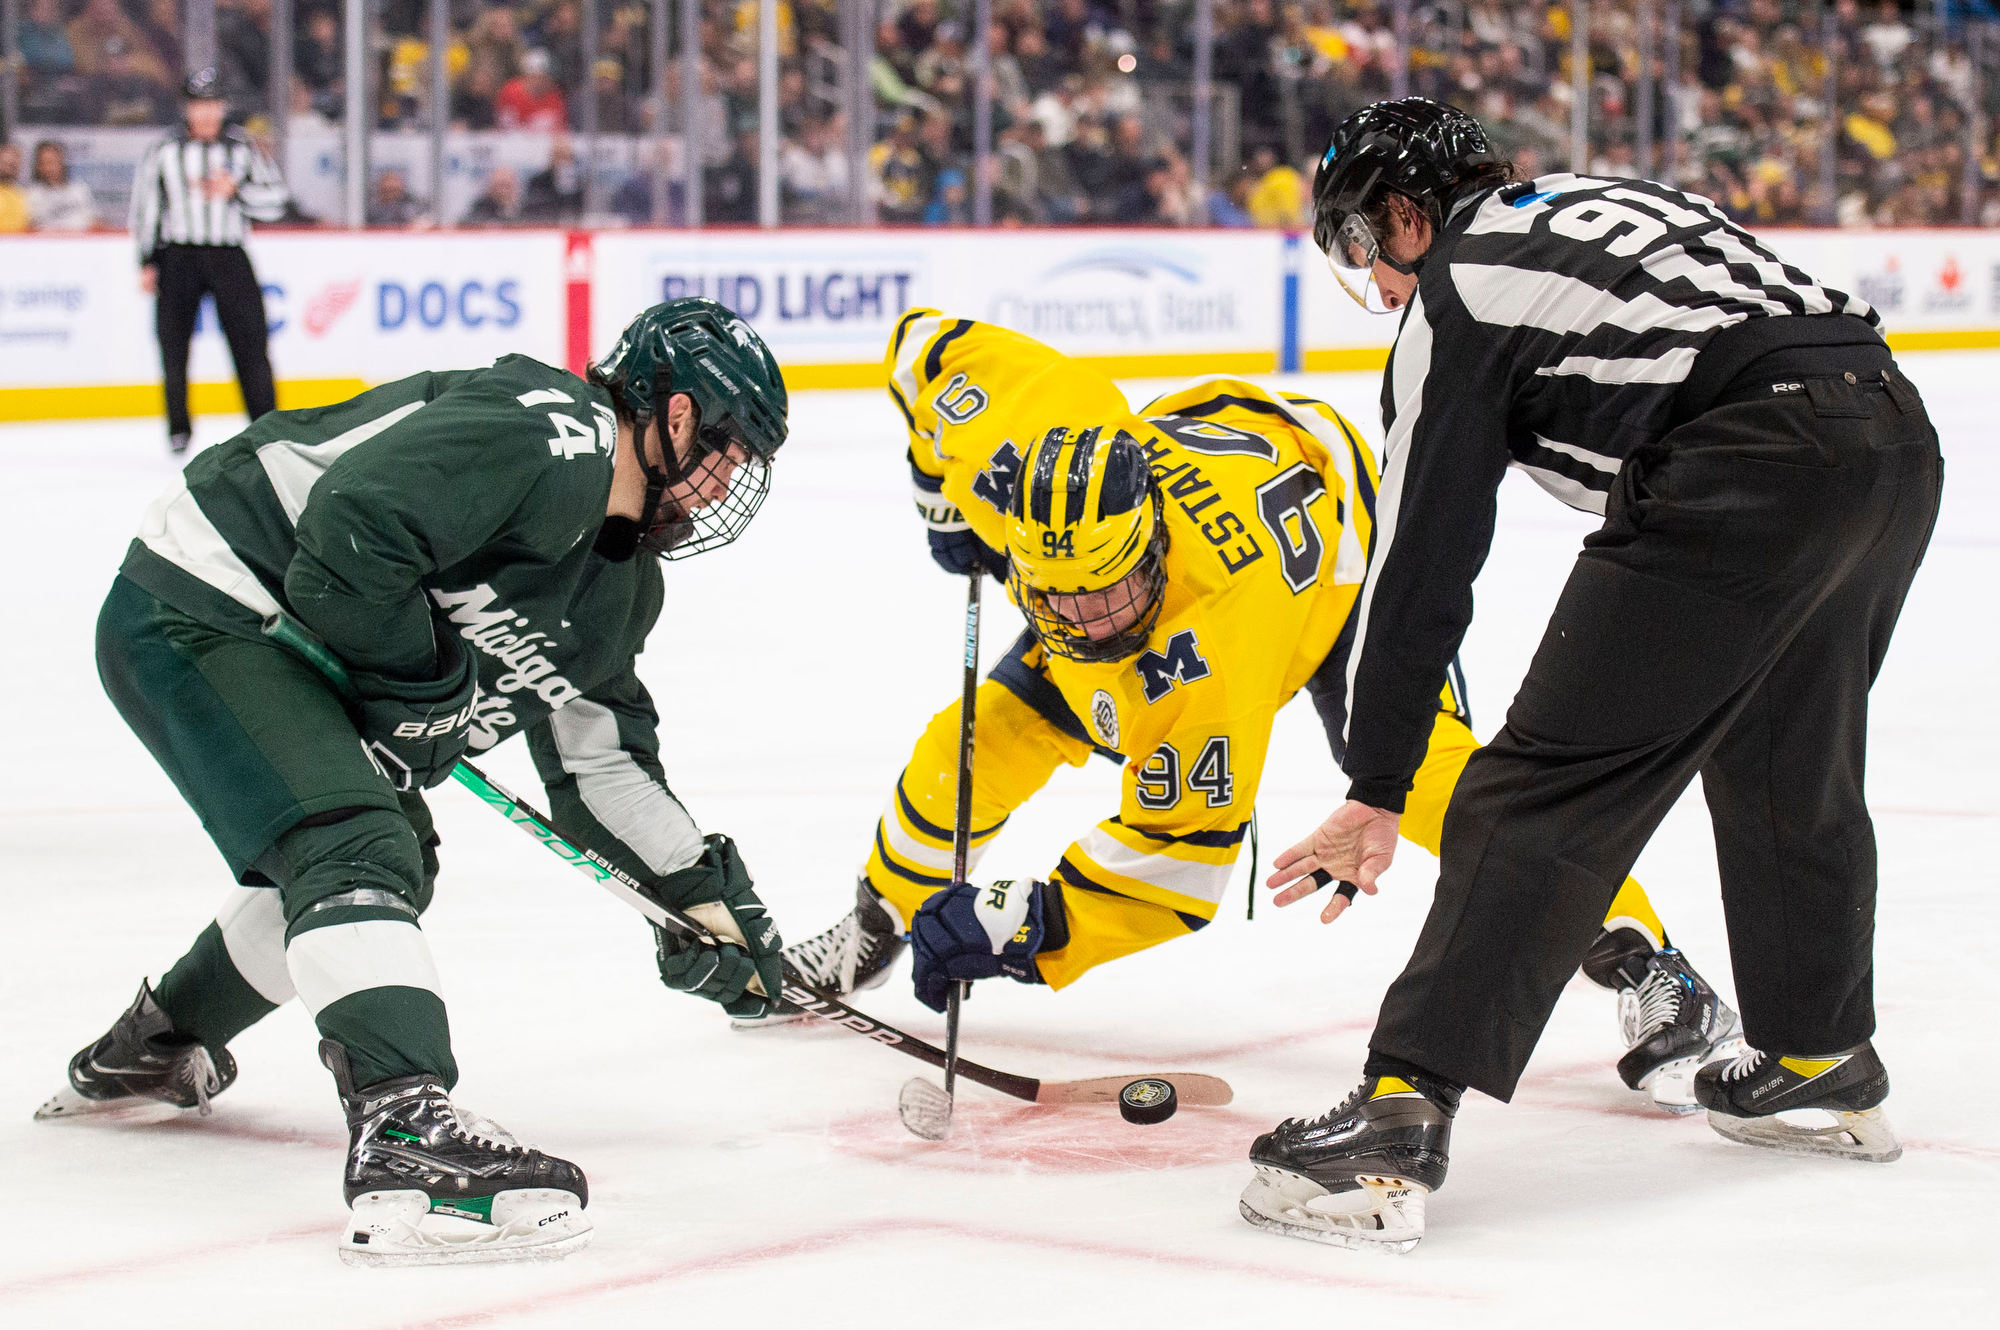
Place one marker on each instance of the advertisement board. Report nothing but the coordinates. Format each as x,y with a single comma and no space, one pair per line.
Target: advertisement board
352,309
1139,302
345,311
1934,289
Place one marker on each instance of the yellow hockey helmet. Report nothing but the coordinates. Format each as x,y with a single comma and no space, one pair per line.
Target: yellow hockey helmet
1086,546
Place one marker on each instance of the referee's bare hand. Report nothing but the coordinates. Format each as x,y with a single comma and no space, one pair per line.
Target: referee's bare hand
1356,844
219,185
149,279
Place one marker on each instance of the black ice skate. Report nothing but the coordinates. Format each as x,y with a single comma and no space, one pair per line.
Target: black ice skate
1617,959
854,954
141,1062
1745,1095
1673,1022
1358,1175
411,1155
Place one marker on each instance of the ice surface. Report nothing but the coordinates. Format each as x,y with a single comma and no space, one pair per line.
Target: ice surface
763,1179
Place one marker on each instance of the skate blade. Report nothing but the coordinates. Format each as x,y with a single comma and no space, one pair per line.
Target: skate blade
389,1228
1671,1084
67,1104
770,1022
1391,1218
1865,1136
925,1109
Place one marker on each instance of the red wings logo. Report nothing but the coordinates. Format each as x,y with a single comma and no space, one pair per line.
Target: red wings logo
326,307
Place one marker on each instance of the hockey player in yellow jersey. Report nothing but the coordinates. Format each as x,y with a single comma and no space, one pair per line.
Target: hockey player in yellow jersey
1184,572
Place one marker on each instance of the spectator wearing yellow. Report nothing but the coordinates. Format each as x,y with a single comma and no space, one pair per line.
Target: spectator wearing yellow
1278,199
13,199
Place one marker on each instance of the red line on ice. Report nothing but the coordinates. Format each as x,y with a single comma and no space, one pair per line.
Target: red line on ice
172,1256
811,1244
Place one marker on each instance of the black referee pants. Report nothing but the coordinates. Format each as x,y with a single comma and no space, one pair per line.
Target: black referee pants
186,273
1728,619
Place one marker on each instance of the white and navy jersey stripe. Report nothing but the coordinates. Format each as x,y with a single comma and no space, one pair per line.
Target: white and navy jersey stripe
1555,327
170,206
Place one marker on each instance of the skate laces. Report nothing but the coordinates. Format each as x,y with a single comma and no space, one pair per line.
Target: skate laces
833,956
479,1131
198,1072
1744,1064
1659,1001
1331,1115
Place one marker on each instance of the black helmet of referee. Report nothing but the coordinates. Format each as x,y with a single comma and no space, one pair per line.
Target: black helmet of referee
203,85
1414,146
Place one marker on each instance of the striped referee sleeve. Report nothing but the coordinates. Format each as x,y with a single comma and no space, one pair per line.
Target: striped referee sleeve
171,206
1561,326
260,188
146,190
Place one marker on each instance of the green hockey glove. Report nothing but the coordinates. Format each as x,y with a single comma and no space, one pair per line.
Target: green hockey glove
717,891
415,732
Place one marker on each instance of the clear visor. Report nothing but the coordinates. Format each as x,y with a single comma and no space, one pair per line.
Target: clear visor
1351,256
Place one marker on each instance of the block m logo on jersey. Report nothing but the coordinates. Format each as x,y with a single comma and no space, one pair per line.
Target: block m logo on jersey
996,483
1181,662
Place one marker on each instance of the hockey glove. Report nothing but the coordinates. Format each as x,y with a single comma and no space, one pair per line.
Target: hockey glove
416,732
722,973
953,544
968,932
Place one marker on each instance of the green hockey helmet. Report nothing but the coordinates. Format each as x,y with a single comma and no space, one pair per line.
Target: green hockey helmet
697,347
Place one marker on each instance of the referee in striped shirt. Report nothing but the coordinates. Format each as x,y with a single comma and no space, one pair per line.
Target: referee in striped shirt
189,202
1767,480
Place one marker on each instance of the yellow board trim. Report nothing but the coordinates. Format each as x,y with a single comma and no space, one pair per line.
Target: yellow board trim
1345,359
106,401
869,374
1950,340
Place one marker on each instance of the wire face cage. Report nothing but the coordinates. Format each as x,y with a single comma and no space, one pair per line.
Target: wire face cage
1063,621
705,525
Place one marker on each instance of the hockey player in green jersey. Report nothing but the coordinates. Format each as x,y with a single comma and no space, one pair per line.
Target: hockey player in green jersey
477,547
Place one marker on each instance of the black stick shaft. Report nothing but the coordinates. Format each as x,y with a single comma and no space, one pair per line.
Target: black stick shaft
293,636
961,829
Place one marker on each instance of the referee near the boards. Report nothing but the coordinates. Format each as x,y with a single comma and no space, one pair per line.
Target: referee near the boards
1768,480
190,200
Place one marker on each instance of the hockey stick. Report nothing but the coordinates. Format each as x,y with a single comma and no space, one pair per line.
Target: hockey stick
924,1109
1193,1087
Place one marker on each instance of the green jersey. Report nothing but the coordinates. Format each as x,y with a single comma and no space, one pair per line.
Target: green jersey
461,500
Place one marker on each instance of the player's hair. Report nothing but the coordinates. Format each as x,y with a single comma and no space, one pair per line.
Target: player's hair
1484,176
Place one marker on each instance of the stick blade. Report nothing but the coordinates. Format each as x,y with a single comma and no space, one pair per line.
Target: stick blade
1190,1087
925,1109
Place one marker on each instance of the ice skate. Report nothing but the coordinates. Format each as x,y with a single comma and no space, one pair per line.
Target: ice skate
1745,1095
1357,1176
141,1064
1672,1022
432,1186
854,954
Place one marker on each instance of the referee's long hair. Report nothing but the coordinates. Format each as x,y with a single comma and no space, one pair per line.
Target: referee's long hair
1485,176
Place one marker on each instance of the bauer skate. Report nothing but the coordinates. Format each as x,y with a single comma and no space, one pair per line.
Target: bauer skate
430,1185
1745,1095
1671,1020
141,1063
1357,1176
854,954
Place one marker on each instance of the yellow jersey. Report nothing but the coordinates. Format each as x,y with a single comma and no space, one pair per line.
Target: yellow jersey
1268,501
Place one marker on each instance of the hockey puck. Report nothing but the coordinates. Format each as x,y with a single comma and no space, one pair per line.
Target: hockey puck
1147,1101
